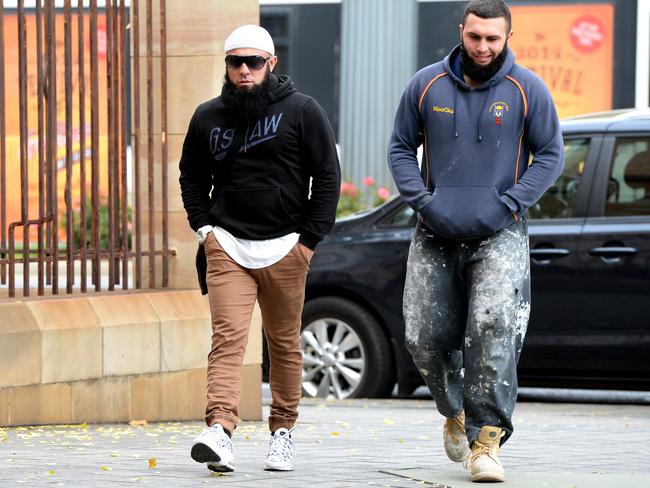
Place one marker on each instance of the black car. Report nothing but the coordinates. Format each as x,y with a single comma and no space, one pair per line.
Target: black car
590,265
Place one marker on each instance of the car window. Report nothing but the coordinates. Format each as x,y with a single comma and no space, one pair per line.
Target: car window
628,188
404,216
559,200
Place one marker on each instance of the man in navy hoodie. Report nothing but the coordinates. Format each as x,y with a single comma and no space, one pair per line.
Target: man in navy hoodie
259,178
479,116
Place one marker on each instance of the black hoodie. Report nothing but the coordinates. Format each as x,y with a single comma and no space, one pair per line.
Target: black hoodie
262,190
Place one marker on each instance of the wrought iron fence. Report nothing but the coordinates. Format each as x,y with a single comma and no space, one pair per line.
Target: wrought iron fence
74,187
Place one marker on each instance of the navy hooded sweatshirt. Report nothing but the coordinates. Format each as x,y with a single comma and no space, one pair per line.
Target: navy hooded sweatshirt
475,178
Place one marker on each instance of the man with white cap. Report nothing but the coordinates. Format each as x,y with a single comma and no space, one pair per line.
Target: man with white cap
259,178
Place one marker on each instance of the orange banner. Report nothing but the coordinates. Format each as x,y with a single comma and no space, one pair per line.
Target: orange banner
570,47
13,115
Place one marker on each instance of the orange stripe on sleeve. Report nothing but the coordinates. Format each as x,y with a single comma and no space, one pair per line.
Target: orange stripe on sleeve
525,100
523,95
426,160
426,88
518,157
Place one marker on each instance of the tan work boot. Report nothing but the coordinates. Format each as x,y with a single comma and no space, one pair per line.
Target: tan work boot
484,464
455,438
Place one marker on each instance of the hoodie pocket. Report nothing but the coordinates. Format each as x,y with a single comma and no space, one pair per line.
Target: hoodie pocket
466,212
252,210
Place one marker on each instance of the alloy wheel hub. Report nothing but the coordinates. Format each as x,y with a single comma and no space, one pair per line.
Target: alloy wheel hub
334,359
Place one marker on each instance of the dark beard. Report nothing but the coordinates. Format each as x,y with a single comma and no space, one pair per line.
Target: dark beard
245,105
481,74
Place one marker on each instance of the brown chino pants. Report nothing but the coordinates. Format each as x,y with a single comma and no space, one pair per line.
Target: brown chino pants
232,291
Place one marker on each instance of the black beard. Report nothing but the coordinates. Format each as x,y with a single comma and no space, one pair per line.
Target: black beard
478,73
245,105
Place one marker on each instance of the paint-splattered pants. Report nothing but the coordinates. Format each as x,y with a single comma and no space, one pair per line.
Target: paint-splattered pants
466,308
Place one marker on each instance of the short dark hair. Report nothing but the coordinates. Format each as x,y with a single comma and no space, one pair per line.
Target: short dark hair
489,9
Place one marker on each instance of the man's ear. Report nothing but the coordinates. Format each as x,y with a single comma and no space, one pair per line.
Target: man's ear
272,62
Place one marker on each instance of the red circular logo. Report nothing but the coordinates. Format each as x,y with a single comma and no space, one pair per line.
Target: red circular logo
587,33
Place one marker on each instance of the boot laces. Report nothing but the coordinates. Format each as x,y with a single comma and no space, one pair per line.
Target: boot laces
478,450
454,427
460,423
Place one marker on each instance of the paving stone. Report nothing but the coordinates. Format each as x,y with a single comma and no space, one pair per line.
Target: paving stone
340,444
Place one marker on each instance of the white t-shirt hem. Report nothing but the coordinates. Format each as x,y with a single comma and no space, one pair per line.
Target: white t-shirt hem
254,254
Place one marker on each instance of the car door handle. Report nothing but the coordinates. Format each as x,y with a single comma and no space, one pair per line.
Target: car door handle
613,254
544,255
613,251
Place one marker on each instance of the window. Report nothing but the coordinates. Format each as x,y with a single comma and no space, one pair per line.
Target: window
404,216
277,23
628,188
559,200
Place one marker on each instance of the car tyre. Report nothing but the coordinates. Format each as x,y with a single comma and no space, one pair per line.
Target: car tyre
346,353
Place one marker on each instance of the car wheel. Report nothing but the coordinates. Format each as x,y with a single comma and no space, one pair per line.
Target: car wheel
345,351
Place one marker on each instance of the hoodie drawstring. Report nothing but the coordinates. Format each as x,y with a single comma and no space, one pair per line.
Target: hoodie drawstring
485,102
455,100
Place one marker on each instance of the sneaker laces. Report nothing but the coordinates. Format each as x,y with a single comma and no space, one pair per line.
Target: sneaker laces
281,446
223,438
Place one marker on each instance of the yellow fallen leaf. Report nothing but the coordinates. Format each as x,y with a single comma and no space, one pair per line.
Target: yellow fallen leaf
335,434
138,422
115,454
153,462
51,472
389,421
105,468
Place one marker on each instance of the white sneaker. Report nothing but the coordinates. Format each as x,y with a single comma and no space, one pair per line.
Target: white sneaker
281,451
214,447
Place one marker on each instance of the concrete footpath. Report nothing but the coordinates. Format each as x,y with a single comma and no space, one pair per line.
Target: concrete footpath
348,443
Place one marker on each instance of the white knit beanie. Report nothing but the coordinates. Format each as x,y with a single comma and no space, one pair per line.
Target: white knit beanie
251,36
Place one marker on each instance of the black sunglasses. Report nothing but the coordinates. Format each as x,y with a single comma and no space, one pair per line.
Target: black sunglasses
253,62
